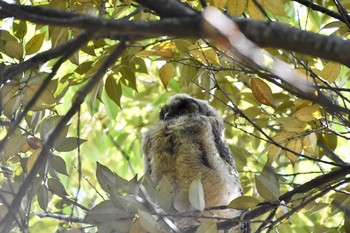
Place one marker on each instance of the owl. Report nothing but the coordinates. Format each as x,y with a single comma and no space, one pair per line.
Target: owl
189,140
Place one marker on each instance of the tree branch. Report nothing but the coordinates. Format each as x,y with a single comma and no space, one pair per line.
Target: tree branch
264,34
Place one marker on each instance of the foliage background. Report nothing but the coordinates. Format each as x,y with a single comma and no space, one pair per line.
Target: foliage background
125,101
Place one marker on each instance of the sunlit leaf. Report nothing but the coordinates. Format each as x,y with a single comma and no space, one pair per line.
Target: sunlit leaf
308,113
262,92
276,7
218,3
330,72
196,194
236,7
254,11
243,202
206,55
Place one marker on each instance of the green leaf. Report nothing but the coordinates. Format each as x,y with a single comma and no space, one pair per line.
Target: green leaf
105,177
113,89
243,202
148,222
207,227
165,194
267,189
14,49
56,187
69,144
59,165
43,197
35,43
19,28
127,76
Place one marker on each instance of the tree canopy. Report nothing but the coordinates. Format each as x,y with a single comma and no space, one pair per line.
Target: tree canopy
81,81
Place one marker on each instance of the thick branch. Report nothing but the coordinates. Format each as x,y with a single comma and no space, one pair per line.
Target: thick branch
269,34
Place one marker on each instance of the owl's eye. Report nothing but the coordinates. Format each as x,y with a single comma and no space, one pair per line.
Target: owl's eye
183,111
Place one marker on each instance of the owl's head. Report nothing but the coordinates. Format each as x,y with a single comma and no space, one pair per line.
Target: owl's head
183,104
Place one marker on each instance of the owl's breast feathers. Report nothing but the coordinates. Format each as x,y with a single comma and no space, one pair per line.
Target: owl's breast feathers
180,148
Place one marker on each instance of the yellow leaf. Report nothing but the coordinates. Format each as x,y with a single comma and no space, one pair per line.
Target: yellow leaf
14,49
236,7
310,143
276,7
243,202
254,11
301,102
35,43
308,113
205,55
166,73
330,72
261,91
165,45
218,3
294,145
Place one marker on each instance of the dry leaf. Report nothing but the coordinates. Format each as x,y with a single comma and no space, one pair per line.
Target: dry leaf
262,92
166,73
